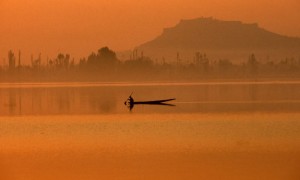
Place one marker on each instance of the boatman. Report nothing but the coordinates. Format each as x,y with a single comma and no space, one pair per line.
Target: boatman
130,99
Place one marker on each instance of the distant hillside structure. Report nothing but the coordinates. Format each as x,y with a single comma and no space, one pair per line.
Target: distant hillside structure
219,39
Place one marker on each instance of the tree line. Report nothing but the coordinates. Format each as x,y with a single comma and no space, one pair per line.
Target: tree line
104,65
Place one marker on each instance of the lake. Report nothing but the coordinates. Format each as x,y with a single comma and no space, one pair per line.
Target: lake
213,130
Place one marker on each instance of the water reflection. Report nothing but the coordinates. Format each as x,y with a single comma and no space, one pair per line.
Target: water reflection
109,99
100,100
12,102
43,101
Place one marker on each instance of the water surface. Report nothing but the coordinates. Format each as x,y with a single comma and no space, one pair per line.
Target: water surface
108,98
233,130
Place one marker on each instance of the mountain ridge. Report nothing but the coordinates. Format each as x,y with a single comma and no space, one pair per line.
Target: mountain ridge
209,34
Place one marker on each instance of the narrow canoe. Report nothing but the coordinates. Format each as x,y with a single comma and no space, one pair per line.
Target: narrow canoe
153,102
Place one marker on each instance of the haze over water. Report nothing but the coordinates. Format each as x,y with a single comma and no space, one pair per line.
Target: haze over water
70,68
227,130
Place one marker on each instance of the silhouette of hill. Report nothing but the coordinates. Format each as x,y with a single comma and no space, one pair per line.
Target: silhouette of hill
218,37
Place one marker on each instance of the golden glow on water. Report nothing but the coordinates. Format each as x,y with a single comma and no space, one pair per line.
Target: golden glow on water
156,132
216,131
159,146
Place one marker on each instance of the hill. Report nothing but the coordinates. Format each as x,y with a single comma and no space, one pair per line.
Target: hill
219,39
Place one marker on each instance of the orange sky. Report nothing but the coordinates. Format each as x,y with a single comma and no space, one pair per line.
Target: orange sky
81,26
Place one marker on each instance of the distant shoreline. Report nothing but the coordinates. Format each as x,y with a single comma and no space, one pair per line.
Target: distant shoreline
229,81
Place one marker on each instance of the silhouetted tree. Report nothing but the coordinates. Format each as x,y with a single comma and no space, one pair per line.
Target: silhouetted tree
82,63
252,63
62,61
36,64
139,64
92,60
224,65
104,59
107,55
201,61
11,60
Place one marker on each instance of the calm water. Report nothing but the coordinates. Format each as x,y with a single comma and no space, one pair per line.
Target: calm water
108,98
232,130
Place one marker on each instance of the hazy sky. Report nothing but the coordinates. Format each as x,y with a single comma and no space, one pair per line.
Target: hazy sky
81,26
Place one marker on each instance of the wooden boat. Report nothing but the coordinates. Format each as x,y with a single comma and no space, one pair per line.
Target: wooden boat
153,102
130,102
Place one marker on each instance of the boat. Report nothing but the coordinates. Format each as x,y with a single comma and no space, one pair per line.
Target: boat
153,102
130,102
